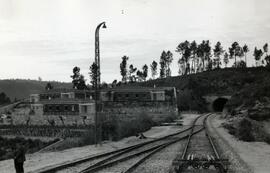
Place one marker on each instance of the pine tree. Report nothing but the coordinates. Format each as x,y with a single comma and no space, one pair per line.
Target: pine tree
131,72
246,50
226,59
153,67
258,53
162,63
145,72
48,86
123,68
78,79
93,74
218,51
185,51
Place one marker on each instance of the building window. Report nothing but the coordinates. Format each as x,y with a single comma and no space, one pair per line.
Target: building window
136,95
66,108
84,109
127,95
72,108
58,108
50,108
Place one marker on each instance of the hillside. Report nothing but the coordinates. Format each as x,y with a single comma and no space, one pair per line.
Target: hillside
228,81
247,113
20,88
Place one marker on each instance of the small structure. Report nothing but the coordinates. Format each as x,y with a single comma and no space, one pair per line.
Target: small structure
63,102
125,101
130,101
139,94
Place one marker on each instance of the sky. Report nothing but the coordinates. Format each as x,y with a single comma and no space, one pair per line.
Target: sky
47,38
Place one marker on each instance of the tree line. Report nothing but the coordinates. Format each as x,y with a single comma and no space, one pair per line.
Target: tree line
195,58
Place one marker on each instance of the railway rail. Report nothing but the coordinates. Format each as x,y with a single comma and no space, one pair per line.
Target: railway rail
120,165
200,153
106,160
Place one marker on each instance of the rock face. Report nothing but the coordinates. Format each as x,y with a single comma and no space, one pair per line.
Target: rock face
247,124
246,129
260,112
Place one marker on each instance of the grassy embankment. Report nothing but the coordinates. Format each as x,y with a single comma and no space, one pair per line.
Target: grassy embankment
249,108
228,81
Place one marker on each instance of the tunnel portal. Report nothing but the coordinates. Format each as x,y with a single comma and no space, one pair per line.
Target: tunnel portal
219,104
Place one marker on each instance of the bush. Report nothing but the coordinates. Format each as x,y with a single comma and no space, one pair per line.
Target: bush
267,139
117,129
245,130
88,138
231,129
169,118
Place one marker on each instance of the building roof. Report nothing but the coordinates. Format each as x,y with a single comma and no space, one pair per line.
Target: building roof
63,90
137,89
65,101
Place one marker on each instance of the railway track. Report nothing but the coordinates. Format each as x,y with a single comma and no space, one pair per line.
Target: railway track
126,159
200,154
196,128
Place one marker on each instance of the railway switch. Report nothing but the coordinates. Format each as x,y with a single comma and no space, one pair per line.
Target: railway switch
206,162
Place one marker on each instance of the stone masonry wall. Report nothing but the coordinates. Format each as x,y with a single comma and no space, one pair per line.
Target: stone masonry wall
158,111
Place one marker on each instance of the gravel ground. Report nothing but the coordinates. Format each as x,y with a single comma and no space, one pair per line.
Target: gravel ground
83,166
161,161
226,150
79,167
122,166
200,147
126,164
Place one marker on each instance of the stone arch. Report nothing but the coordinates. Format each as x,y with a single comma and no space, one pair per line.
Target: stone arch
219,104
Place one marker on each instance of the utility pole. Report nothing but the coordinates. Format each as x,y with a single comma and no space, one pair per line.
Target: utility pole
97,87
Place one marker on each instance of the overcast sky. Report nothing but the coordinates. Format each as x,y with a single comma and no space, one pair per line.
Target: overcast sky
47,38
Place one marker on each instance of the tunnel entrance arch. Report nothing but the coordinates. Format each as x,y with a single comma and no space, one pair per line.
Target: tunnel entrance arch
219,104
